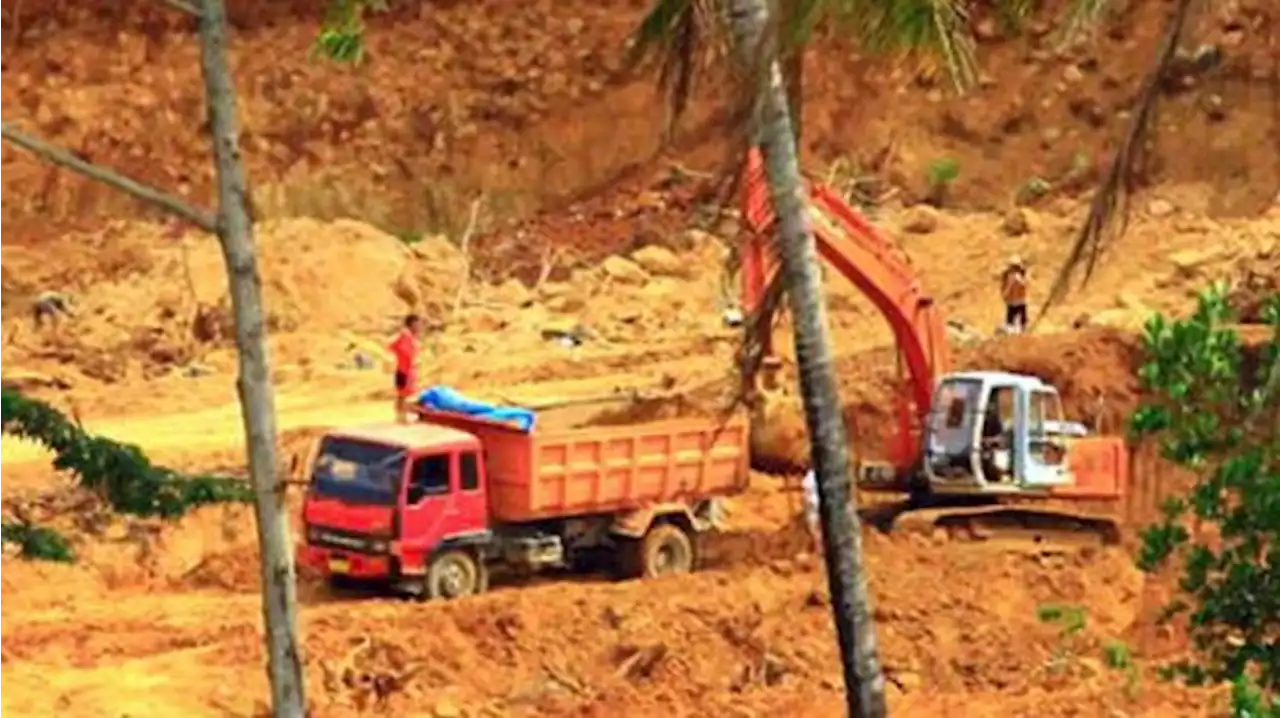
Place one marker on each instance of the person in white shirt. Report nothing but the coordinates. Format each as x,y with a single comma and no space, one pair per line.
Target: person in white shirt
809,486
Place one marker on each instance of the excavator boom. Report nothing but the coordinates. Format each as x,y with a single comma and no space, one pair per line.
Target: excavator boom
861,254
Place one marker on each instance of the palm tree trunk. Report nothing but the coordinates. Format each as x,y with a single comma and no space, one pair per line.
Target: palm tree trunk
793,74
842,538
257,399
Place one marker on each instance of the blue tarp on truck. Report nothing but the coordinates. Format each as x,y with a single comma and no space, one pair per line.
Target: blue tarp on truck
443,398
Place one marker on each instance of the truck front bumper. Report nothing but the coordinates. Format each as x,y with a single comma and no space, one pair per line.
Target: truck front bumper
336,562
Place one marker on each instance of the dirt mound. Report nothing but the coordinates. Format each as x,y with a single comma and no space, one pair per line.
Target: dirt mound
147,300
952,620
711,400
649,410
1095,370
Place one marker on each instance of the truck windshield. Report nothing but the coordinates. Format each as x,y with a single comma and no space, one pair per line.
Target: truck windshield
356,471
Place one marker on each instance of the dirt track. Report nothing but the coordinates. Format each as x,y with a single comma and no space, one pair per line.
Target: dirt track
164,619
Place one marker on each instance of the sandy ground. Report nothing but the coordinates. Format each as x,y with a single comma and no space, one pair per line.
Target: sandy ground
363,216
165,618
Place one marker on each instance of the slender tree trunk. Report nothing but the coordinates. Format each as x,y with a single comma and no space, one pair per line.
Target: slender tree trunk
793,75
842,537
257,398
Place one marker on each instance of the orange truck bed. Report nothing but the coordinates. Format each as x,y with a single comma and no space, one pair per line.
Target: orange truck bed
558,473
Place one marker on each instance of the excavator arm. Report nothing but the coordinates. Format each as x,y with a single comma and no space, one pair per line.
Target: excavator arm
860,253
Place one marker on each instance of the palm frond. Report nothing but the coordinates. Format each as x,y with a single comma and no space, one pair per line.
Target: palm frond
1111,200
937,28
797,19
679,37
1081,18
1013,14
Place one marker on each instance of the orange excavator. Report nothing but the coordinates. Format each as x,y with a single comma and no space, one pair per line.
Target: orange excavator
973,449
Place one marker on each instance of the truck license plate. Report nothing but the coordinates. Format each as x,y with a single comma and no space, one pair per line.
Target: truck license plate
339,565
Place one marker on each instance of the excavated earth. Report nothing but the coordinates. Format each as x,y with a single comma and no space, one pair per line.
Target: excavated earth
594,286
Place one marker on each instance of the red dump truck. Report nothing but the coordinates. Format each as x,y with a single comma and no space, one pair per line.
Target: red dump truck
431,506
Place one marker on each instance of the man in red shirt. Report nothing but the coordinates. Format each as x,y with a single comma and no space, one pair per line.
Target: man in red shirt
405,350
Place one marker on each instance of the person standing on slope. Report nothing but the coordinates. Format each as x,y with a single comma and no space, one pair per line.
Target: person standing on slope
405,349
1013,288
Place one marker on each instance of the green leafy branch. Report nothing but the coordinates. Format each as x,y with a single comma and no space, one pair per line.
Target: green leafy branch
1248,701
36,542
120,473
1215,414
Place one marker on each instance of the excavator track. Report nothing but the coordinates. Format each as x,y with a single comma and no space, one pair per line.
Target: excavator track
1003,524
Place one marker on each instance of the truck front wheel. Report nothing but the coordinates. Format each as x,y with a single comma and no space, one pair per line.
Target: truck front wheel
665,549
454,574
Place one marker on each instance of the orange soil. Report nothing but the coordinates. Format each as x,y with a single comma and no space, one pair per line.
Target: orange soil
165,618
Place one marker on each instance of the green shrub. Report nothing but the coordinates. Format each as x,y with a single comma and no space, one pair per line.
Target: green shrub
1219,415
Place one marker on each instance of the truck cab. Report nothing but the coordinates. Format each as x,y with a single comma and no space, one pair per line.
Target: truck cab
383,500
996,432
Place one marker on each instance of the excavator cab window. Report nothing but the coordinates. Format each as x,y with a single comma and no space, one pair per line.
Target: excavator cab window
996,457
998,417
1044,407
952,425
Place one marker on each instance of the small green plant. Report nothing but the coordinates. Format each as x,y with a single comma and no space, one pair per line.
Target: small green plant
409,236
1218,415
1071,622
1117,655
341,37
939,178
1071,619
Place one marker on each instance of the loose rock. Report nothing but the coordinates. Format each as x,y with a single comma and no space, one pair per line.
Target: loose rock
920,219
660,261
1160,208
625,270
1015,223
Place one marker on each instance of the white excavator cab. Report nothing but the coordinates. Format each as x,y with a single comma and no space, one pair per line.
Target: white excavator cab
995,432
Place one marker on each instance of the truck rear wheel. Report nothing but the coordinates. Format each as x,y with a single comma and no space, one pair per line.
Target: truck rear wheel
454,574
665,549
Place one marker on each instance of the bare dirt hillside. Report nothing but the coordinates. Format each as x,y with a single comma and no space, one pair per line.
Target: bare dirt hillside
364,179
523,102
